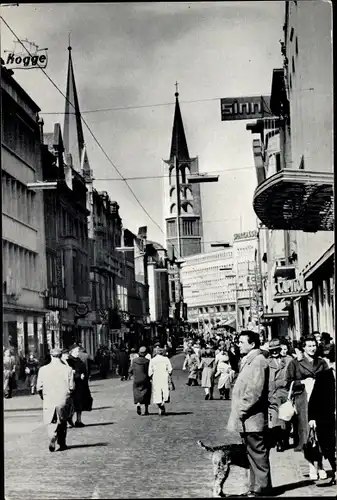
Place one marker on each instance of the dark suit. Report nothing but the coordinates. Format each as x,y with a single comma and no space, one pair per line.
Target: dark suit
321,408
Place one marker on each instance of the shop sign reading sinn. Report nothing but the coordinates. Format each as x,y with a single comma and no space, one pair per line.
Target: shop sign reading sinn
26,56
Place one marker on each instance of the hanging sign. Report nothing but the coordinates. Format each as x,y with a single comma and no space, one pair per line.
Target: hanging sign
244,108
19,58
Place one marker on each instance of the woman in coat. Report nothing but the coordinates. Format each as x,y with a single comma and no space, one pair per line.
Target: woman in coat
160,369
321,411
141,381
191,363
226,376
303,373
81,396
207,365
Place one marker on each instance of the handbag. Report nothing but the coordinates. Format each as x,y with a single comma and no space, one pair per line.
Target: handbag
311,449
171,384
287,410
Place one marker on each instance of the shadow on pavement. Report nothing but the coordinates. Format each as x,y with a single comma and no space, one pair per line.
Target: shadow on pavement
98,423
280,490
93,445
102,408
169,413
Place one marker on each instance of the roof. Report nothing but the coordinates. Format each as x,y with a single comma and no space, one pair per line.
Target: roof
156,246
73,130
7,75
178,144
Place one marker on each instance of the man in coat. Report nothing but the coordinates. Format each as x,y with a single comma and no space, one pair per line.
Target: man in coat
55,383
278,393
141,381
160,369
249,411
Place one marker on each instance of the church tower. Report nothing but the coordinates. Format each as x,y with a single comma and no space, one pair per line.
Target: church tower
73,138
182,202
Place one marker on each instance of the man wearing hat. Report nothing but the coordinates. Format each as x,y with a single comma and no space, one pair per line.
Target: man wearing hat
277,394
55,384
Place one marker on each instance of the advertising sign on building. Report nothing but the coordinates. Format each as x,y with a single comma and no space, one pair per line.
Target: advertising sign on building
289,287
245,108
26,55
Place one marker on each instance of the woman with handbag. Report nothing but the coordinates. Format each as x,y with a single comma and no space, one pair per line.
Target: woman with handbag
303,374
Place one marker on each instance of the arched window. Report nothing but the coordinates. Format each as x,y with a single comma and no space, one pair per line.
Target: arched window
172,208
188,193
172,191
172,177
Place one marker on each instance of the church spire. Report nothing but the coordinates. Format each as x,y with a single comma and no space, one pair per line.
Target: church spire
73,130
178,145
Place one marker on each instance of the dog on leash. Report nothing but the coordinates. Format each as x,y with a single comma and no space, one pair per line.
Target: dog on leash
222,458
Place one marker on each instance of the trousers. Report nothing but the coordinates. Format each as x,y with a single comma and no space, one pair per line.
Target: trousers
58,431
258,457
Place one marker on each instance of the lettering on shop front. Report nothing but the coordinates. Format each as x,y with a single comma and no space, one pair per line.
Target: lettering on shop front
31,58
288,286
244,108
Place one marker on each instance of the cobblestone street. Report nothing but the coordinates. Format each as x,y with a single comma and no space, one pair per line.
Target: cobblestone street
122,455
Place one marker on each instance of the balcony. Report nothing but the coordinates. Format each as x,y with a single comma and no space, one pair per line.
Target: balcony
296,200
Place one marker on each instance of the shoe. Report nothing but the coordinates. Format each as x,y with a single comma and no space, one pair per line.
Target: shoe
146,413
211,397
139,411
79,424
322,474
207,397
71,423
52,444
313,474
63,447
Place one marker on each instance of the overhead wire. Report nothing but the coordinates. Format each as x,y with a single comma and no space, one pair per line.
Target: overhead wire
90,131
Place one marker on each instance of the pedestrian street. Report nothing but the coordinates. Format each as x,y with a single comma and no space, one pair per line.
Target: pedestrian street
120,454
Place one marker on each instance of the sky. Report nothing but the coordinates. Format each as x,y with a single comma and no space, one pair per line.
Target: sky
129,55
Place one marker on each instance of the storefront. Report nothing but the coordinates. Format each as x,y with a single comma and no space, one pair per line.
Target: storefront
321,303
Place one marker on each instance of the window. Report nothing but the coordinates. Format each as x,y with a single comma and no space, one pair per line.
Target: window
278,161
293,64
296,46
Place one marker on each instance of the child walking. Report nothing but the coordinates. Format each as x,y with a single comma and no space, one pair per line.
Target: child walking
207,365
226,376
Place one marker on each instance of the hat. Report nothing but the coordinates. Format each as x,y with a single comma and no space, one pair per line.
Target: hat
56,352
74,346
274,344
65,351
142,350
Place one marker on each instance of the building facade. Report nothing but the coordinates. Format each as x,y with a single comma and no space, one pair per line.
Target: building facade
298,198
247,279
209,286
66,233
23,229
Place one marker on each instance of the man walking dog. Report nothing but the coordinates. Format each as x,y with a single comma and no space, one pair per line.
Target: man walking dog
249,411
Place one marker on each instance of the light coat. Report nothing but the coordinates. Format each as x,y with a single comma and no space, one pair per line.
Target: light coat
56,381
191,363
249,411
277,389
226,375
159,369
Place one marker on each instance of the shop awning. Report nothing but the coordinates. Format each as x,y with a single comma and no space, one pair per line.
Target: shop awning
324,263
268,318
296,200
291,295
287,272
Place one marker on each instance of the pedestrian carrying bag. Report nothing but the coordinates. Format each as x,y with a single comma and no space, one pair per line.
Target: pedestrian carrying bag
287,410
311,448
